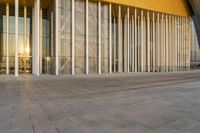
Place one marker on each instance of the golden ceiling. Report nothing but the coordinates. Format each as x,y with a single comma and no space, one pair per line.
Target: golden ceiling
176,7
44,3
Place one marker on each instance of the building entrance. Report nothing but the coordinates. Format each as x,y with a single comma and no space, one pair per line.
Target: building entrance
7,39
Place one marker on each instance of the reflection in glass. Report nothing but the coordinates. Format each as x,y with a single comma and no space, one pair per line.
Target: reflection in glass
47,53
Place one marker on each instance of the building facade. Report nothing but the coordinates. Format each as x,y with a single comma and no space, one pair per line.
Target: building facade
94,37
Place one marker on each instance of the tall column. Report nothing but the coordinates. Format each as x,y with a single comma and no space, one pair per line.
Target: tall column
7,38
25,36
173,44
136,43
142,41
25,31
162,43
110,38
180,44
170,43
183,54
188,42
52,35
73,37
128,38
37,37
178,47
133,42
115,44
178,40
158,43
124,49
148,42
167,41
56,37
184,27
40,44
154,43
16,37
182,49
99,39
86,39
139,42
33,39
176,43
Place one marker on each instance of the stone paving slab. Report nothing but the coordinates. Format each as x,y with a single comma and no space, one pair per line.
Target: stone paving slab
126,103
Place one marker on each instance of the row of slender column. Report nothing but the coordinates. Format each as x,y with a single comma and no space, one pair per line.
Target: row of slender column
36,41
87,40
153,41
159,42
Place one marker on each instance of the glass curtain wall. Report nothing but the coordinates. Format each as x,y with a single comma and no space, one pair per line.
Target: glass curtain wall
142,40
25,40
104,38
64,37
7,32
195,50
3,32
80,33
47,41
93,37
114,39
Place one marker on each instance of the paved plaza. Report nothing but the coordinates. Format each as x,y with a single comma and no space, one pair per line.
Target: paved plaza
126,103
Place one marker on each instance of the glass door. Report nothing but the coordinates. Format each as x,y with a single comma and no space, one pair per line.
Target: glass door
25,51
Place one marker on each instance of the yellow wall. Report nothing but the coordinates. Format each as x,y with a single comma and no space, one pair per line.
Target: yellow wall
176,7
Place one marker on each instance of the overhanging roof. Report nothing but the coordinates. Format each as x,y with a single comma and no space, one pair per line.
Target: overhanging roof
194,6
